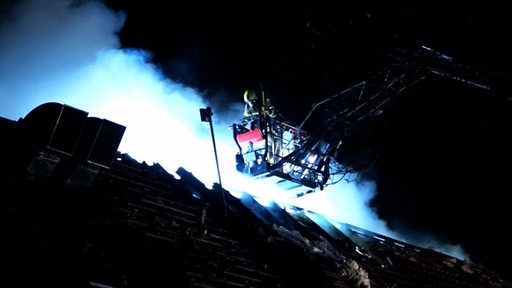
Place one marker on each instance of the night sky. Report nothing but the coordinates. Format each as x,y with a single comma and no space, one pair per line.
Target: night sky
441,152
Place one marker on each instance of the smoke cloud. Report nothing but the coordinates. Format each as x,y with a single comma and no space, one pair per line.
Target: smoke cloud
68,52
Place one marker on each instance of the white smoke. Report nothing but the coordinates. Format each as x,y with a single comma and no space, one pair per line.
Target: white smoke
59,51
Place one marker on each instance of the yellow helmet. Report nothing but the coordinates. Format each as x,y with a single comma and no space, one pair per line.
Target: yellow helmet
250,95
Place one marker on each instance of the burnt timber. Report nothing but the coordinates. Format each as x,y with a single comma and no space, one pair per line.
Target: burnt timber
73,220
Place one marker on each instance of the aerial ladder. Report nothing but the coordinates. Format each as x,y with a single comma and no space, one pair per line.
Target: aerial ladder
307,156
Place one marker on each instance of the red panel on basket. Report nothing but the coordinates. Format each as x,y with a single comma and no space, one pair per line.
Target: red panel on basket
253,136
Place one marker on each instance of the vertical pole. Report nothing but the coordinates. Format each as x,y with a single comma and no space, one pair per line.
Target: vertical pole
206,116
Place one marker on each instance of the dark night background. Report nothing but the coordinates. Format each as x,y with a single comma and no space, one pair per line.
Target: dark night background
442,152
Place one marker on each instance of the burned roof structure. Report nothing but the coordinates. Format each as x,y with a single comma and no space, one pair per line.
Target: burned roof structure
78,213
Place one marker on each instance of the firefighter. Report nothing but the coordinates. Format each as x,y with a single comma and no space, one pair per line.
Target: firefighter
252,109
256,106
251,103
259,113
